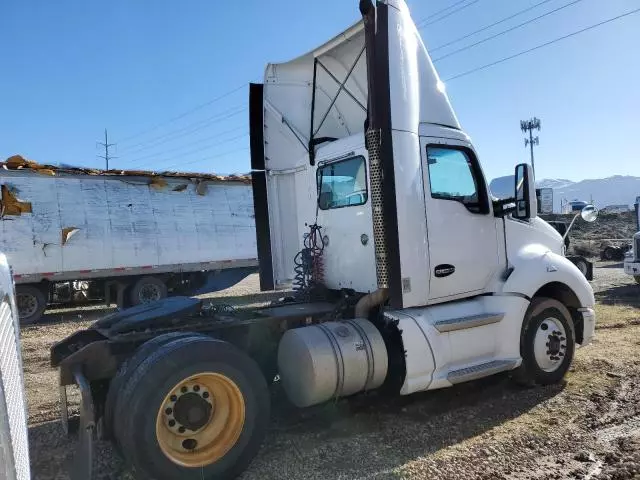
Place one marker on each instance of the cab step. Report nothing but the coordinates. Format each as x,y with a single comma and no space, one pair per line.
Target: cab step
471,321
481,370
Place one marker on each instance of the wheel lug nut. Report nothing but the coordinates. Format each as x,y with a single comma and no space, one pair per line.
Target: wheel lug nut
196,388
184,389
182,429
173,398
168,411
172,423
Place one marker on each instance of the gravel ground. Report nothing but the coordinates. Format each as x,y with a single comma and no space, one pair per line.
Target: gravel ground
587,428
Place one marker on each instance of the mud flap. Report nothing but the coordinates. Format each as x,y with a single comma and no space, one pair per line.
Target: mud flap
82,466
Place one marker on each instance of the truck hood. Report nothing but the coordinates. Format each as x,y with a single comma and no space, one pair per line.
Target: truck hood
535,231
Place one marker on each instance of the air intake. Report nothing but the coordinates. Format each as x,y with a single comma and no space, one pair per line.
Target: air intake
372,139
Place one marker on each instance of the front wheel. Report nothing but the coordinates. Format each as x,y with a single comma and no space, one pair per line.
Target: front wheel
196,408
547,343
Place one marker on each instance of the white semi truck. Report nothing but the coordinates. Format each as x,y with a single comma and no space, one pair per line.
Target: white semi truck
74,234
370,199
14,448
632,257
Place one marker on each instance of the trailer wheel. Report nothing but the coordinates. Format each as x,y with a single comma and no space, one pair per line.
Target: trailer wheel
547,343
148,289
127,369
31,302
196,408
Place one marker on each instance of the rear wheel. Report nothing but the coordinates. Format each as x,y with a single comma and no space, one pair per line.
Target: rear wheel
146,290
547,343
197,408
31,303
127,369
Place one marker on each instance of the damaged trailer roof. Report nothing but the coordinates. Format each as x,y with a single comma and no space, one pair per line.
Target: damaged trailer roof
17,162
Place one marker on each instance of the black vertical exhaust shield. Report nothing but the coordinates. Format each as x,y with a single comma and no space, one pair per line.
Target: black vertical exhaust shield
376,29
259,186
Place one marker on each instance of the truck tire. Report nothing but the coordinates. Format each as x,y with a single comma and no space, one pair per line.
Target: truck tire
609,253
547,343
146,290
31,302
125,371
581,263
197,408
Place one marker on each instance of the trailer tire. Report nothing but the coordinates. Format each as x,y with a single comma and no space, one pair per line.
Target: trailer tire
547,343
125,371
31,302
146,290
195,408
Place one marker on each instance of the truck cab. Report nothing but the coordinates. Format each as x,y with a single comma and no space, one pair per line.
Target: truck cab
358,139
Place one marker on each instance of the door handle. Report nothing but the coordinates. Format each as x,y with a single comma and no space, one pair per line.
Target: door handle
444,270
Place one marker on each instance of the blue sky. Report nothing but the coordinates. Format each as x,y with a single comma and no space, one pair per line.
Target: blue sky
71,68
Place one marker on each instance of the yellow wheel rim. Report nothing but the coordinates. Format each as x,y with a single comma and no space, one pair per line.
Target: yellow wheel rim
200,419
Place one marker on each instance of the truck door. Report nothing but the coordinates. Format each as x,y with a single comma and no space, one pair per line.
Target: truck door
463,247
344,213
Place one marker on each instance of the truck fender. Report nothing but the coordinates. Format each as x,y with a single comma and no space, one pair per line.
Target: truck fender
534,266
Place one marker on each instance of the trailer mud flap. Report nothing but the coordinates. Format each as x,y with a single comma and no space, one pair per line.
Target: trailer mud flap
82,467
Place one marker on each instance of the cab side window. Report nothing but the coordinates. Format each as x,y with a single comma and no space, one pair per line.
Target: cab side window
342,183
454,175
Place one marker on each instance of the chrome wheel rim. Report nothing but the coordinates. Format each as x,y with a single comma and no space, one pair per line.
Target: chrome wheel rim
550,344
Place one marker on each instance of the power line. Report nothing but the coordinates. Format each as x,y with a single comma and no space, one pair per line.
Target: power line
435,14
106,146
502,20
515,27
447,15
182,115
529,50
187,130
180,147
208,158
206,147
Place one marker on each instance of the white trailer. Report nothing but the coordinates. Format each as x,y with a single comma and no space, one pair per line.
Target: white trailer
370,198
71,234
14,448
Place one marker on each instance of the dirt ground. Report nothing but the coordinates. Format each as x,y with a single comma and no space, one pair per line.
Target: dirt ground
587,428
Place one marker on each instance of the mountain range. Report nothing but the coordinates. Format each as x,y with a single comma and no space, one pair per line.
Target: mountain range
615,190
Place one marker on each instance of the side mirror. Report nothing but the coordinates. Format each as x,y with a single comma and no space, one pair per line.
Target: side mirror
589,213
525,193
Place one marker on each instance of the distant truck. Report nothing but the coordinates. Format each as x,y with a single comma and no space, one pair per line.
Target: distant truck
632,258
14,449
75,234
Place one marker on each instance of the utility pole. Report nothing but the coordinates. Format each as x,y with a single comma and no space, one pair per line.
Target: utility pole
529,126
106,146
